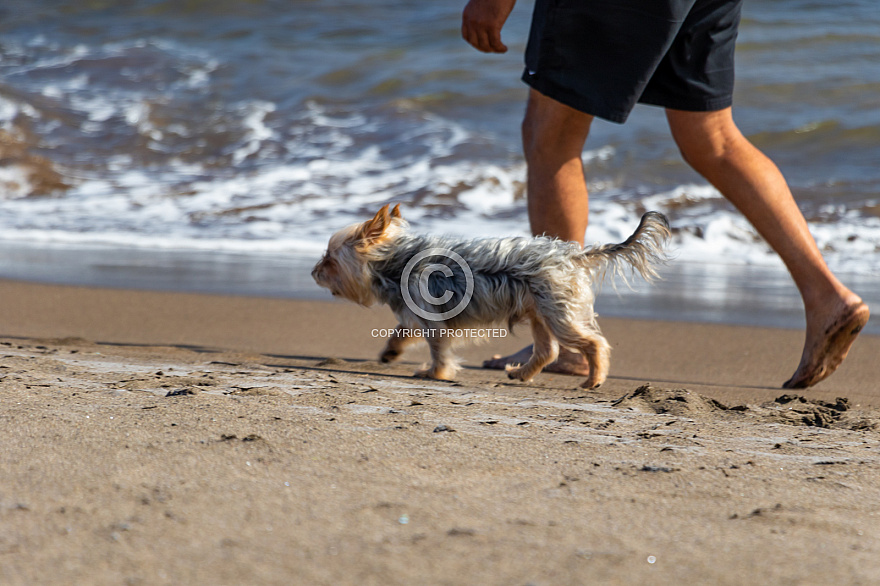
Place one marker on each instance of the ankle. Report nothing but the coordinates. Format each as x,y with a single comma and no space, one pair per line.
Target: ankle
832,300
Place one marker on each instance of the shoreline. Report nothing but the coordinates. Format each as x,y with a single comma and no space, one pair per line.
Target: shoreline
689,292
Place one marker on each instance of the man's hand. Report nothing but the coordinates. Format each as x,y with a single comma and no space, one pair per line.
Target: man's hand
482,21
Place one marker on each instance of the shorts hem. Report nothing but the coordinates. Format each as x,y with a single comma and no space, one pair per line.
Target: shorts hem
699,105
573,99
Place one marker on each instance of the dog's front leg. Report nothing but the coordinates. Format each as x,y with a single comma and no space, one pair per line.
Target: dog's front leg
397,343
443,365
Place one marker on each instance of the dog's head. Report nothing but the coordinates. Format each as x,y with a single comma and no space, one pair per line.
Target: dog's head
344,267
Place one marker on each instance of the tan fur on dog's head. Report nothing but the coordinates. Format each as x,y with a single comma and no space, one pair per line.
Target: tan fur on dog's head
343,268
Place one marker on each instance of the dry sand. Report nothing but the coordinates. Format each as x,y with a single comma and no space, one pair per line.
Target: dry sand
155,438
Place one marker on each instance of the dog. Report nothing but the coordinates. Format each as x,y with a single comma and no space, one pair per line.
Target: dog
443,284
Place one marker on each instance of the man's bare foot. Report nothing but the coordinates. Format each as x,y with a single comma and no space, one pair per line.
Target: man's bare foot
568,362
825,349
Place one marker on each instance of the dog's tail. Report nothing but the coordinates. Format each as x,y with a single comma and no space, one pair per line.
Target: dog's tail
641,252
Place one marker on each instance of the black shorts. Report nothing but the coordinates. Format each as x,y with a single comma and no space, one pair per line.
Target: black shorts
603,56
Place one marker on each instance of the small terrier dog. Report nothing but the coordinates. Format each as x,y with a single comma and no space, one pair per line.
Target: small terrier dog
441,284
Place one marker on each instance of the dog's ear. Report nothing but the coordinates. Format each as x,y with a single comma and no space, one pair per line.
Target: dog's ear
395,212
373,231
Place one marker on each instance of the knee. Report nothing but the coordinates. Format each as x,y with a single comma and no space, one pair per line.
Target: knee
537,136
706,141
699,159
705,153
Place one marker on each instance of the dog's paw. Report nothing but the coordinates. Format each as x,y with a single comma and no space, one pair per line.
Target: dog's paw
593,382
517,372
423,373
389,356
433,373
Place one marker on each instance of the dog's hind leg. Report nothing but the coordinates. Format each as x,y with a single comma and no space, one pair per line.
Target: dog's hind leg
598,354
545,349
591,343
397,343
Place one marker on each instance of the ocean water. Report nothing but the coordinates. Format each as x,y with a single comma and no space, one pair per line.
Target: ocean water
253,129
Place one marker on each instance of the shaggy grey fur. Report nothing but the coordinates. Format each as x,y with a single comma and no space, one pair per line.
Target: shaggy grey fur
544,281
507,271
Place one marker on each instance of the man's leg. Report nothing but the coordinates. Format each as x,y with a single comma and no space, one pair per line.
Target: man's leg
553,141
553,138
712,144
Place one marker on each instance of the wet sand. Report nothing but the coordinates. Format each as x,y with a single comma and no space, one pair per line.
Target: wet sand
166,438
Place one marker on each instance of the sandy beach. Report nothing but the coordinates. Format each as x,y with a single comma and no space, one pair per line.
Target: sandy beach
171,438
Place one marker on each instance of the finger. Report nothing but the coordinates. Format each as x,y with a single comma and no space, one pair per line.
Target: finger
469,34
490,41
495,43
465,30
469,30
483,43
